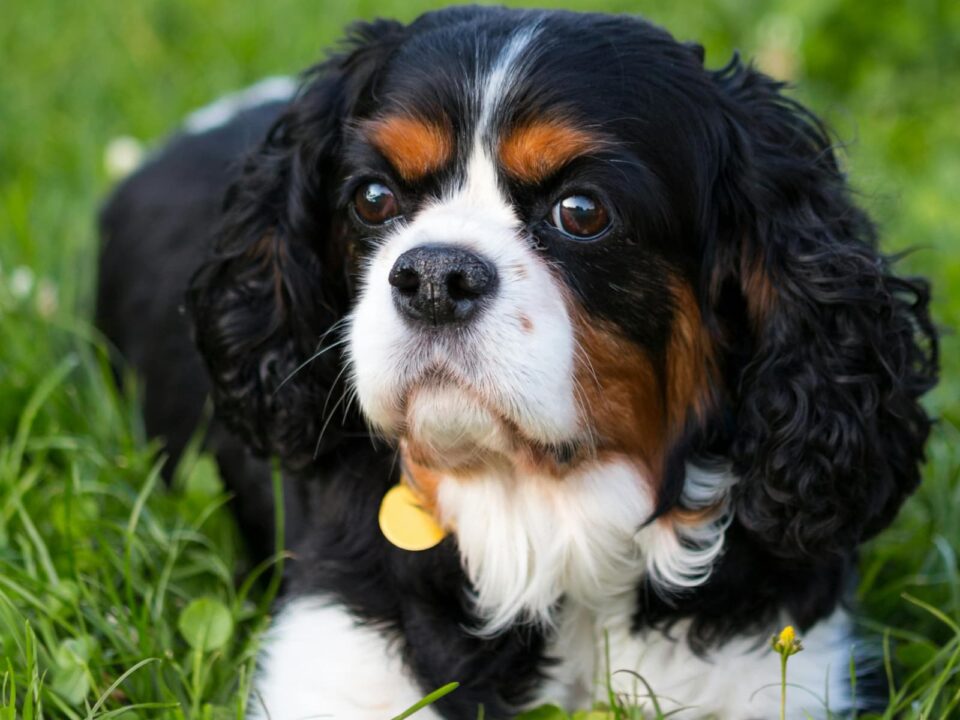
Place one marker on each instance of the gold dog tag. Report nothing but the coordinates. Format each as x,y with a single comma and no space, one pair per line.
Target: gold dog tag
405,523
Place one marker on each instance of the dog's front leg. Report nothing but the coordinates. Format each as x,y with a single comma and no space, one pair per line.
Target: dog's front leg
319,661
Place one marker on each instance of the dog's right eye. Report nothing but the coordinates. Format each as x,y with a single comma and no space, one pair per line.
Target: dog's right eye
375,203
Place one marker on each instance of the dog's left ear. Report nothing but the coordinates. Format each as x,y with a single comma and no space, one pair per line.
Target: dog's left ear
276,284
830,351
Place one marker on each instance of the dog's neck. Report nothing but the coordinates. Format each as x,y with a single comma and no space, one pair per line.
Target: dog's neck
528,540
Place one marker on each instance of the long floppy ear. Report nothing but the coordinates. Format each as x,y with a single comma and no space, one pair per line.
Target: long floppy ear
276,283
833,349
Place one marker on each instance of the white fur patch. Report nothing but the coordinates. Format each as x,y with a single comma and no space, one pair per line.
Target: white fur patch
319,662
681,554
738,681
493,86
526,542
223,110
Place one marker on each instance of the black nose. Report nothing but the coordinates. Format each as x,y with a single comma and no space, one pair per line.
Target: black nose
441,284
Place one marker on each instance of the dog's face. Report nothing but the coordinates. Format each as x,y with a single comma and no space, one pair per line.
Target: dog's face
521,221
552,238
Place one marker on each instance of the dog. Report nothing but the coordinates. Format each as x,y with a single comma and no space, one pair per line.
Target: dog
579,360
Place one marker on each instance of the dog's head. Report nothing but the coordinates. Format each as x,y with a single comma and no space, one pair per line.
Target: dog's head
537,240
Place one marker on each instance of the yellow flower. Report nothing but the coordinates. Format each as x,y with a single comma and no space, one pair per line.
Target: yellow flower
787,636
786,643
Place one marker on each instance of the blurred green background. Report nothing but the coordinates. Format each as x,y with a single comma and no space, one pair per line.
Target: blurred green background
74,76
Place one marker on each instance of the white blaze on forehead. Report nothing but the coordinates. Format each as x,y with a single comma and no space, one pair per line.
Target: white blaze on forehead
480,189
480,184
494,85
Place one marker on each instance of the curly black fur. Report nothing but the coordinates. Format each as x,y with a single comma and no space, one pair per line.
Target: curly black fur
828,354
277,282
829,431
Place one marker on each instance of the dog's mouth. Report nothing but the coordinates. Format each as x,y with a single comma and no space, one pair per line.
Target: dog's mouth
449,425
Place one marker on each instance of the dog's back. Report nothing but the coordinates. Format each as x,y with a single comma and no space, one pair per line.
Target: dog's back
156,229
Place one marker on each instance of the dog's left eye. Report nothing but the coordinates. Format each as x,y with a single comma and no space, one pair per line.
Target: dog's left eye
375,203
580,216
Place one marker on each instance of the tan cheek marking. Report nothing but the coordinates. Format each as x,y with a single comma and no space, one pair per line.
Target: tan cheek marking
633,409
691,362
414,146
620,391
535,151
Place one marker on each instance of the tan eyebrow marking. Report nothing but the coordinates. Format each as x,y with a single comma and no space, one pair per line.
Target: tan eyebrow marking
414,146
534,151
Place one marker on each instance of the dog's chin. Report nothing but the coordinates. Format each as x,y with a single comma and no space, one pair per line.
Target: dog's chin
449,427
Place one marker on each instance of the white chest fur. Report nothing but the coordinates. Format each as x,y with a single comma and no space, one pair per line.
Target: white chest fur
737,681
526,542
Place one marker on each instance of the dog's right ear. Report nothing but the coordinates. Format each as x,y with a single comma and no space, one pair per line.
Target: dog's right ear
275,285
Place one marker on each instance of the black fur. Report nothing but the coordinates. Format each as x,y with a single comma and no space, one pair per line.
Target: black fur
277,281
716,176
829,433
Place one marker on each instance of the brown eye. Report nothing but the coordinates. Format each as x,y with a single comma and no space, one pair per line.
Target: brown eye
580,216
375,203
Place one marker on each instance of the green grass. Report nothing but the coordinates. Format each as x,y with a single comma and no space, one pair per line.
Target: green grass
122,598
